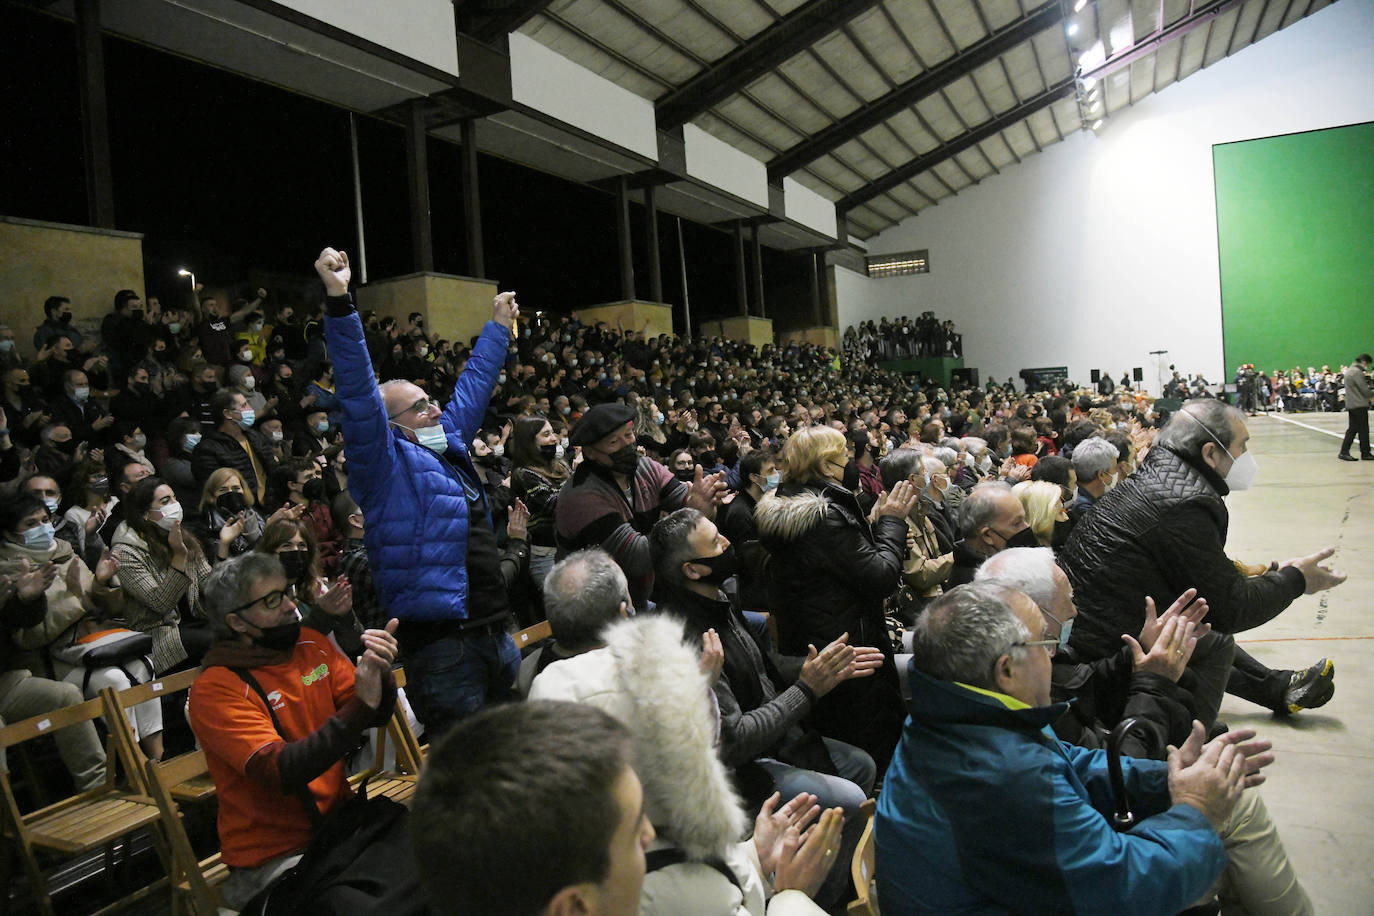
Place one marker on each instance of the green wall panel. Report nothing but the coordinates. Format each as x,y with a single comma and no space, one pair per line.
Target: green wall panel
1295,233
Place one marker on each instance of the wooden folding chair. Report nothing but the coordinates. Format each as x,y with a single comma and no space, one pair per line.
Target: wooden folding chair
531,635
197,789
410,754
861,868
84,822
194,881
398,784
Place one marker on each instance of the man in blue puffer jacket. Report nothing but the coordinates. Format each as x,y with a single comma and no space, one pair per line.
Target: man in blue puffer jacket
985,811
429,535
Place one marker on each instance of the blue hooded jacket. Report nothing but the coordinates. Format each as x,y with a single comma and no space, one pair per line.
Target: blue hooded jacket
985,811
413,502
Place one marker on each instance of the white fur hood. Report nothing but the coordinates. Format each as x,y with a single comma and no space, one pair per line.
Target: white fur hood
648,678
787,518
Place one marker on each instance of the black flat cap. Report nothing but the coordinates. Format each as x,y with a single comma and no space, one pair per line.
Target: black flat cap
599,422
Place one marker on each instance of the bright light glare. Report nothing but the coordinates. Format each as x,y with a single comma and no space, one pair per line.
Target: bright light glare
1097,124
1078,7
1073,28
1089,84
183,272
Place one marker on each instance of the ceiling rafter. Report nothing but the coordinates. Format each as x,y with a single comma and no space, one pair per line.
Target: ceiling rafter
799,29
491,20
957,145
924,84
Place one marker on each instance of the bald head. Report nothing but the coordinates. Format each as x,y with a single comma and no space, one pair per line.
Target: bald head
990,518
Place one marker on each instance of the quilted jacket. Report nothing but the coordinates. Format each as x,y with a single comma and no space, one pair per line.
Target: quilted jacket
1158,533
413,499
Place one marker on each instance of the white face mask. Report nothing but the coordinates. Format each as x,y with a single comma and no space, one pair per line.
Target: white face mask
249,382
1107,487
169,515
1243,471
498,450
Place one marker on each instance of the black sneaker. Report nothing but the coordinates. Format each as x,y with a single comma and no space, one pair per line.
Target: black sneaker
1311,688
1346,456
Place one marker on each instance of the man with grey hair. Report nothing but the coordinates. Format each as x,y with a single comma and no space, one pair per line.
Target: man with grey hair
1094,464
1164,530
1142,682
991,519
976,756
583,594
277,708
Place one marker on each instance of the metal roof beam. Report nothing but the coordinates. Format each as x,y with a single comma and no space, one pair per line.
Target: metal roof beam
489,21
926,83
956,146
796,31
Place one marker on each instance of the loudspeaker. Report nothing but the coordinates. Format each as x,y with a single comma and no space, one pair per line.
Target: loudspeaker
1138,374
964,378
1096,376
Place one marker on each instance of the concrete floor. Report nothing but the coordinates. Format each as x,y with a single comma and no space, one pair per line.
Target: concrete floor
1319,788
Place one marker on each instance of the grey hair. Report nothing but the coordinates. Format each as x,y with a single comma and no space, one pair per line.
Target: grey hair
932,465
582,595
45,434
1093,456
975,446
981,506
1196,423
900,464
1025,569
951,443
962,633
946,455
669,545
230,585
237,372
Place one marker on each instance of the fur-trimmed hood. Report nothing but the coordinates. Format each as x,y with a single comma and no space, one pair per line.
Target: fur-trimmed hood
788,518
648,678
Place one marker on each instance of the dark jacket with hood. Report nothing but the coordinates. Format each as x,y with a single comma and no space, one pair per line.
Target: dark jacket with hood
830,572
1158,533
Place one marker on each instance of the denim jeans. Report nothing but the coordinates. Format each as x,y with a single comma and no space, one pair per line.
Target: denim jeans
848,790
451,678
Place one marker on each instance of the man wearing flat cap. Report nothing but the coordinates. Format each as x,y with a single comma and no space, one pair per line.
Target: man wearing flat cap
615,496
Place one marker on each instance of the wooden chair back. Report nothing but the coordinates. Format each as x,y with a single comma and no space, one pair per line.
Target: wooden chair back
201,787
862,867
531,635
194,881
88,820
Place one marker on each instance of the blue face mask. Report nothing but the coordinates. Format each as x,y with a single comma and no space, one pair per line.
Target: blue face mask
771,481
1065,628
246,418
431,437
39,538
192,440
322,427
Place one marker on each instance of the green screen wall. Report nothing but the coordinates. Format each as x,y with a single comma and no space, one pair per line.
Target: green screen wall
1295,232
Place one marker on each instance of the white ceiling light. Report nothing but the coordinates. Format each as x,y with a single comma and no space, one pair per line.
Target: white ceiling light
1078,7
1072,29
1097,124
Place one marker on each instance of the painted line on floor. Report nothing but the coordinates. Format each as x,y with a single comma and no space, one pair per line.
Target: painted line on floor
1315,429
1304,639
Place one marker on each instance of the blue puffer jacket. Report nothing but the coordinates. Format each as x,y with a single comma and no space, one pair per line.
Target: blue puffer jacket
984,811
415,511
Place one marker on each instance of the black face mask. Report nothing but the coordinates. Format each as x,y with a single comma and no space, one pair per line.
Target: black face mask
64,320
722,567
626,460
313,489
68,447
142,388
1062,530
1023,538
707,459
135,314
293,564
231,503
281,637
549,452
686,475
490,460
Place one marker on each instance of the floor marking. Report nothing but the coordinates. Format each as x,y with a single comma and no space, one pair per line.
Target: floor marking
1305,639
1325,432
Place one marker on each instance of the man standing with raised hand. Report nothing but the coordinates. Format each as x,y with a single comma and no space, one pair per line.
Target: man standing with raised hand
429,535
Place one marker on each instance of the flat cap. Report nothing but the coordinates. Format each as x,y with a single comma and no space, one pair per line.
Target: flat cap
599,422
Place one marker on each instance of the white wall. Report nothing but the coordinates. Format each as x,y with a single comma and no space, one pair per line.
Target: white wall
1104,247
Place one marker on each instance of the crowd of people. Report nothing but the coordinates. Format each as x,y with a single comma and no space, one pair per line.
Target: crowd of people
902,338
778,583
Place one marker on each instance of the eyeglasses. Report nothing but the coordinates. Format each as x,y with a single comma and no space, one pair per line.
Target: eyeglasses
1050,645
272,601
424,405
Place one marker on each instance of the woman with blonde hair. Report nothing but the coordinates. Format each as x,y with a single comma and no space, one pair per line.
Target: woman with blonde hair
831,567
227,522
1044,505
